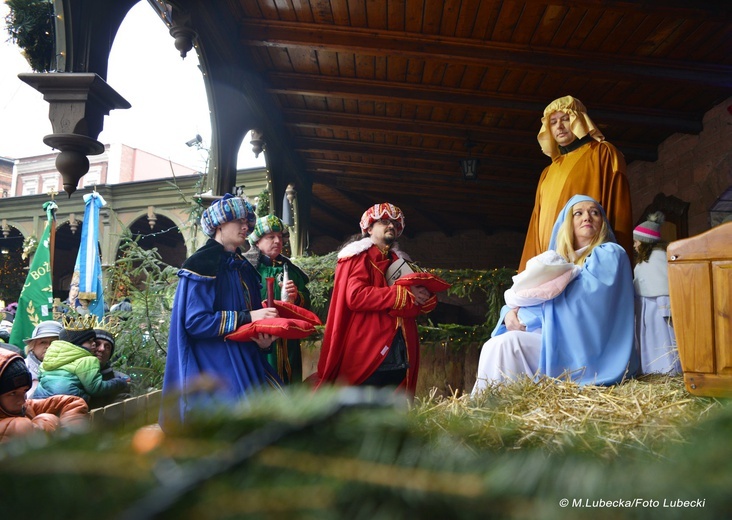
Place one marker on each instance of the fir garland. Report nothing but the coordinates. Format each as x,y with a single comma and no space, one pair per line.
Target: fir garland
471,284
31,26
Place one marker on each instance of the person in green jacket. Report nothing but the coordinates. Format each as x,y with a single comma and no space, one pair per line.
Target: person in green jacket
70,368
265,254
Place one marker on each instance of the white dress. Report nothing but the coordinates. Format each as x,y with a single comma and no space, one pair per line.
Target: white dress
654,334
507,356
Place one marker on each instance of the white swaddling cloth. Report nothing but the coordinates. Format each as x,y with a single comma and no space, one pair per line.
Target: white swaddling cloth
546,276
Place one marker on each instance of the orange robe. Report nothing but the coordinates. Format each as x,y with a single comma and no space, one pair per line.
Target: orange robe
596,169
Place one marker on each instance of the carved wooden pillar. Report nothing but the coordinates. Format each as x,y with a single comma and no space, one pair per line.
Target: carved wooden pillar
79,101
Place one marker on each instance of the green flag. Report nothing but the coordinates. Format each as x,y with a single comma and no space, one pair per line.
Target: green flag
36,299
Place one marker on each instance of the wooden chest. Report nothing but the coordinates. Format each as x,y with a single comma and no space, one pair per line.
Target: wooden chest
700,288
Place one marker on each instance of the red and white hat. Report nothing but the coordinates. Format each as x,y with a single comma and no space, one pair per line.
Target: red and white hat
383,211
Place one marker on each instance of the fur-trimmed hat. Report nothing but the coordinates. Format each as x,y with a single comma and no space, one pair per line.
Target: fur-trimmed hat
264,225
224,210
383,211
650,230
14,376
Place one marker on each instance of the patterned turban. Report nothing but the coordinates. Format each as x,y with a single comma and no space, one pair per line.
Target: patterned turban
224,210
380,212
579,123
264,225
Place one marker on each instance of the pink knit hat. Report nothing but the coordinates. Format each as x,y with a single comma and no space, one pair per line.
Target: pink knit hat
650,230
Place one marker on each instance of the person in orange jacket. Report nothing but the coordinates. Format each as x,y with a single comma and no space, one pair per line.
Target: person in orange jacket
20,416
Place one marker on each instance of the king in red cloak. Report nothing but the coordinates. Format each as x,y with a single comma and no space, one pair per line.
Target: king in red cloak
367,315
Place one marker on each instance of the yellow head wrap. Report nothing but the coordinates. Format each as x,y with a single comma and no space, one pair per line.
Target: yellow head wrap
579,123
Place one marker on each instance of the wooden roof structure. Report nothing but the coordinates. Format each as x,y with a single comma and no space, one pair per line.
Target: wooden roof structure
365,101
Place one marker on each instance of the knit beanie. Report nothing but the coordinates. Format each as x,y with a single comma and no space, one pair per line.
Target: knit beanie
14,376
650,230
77,337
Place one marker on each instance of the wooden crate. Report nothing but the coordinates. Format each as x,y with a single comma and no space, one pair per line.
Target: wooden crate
700,288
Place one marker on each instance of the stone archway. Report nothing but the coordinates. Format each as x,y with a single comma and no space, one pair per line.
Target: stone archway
66,249
164,235
13,269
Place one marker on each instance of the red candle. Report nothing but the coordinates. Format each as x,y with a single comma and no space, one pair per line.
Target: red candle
270,292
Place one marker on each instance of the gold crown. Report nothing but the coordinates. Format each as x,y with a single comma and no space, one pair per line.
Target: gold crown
78,322
111,324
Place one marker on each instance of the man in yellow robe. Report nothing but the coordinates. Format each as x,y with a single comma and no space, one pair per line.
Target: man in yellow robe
582,163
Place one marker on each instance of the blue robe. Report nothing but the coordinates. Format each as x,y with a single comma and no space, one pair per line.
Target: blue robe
589,328
215,293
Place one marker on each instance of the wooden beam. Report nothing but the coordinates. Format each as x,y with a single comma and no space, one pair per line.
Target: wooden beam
480,134
286,83
414,153
367,202
471,52
473,193
322,168
697,10
338,220
422,170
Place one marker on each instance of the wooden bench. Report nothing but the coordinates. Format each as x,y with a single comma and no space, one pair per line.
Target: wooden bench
700,288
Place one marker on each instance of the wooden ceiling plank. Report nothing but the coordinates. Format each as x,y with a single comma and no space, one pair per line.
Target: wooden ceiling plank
529,23
324,167
302,10
427,171
306,85
452,190
341,219
593,42
550,22
699,9
261,33
308,145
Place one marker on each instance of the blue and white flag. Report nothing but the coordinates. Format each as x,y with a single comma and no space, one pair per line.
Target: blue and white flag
88,263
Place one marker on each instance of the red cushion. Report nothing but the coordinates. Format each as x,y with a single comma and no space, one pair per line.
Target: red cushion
295,312
280,327
429,281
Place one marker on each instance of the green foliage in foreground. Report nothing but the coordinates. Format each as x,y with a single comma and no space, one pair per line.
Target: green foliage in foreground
354,455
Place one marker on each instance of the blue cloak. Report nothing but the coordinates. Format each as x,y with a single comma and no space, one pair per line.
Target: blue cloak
215,293
588,329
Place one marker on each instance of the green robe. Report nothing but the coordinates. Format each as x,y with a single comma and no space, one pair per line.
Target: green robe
286,357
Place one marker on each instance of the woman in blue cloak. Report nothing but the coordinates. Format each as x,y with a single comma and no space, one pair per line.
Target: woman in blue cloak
570,314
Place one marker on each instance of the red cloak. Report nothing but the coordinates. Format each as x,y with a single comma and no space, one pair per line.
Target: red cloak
364,316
